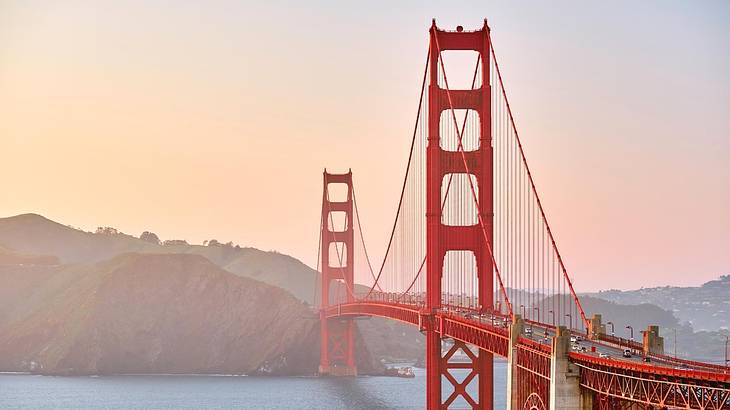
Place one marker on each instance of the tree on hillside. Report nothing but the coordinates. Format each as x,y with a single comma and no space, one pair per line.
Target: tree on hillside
150,237
106,230
213,242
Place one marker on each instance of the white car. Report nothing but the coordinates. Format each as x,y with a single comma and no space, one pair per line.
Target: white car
627,352
603,355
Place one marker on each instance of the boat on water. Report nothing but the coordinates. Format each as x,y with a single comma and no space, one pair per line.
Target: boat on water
406,372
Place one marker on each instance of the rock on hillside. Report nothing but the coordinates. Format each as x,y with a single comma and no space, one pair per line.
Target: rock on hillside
150,313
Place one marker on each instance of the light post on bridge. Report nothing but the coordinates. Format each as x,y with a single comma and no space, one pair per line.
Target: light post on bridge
522,307
612,329
538,317
570,320
632,332
727,340
553,316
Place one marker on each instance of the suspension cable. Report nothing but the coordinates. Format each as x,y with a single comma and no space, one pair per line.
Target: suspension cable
362,238
532,183
471,184
448,185
319,258
405,179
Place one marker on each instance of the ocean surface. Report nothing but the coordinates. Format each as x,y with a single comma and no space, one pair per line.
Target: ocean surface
224,392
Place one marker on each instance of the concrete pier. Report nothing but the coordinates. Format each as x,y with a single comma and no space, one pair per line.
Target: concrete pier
516,329
595,327
653,343
564,376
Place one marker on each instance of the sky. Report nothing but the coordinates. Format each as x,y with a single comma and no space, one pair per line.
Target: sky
202,120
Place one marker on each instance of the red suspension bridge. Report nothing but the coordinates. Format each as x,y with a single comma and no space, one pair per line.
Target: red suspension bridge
471,260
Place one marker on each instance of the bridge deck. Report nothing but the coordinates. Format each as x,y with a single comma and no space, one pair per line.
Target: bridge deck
664,381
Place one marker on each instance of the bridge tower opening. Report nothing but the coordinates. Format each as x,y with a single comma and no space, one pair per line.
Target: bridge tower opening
442,238
337,342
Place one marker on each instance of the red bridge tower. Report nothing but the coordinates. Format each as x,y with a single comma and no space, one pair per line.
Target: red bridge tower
337,349
441,238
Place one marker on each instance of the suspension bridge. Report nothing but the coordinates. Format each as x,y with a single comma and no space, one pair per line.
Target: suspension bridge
472,262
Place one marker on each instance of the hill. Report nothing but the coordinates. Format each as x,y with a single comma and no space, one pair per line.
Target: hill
705,308
35,234
151,313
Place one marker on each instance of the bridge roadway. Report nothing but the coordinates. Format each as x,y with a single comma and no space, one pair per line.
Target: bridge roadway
661,380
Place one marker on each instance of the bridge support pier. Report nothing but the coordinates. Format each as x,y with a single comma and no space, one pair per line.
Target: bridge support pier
433,369
595,327
564,375
516,330
653,343
586,399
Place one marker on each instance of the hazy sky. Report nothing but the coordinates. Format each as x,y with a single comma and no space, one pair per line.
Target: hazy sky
204,120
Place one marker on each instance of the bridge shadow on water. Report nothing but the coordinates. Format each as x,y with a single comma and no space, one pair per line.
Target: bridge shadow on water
401,393
355,394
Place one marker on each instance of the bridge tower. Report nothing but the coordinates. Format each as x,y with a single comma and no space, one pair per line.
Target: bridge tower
337,343
441,238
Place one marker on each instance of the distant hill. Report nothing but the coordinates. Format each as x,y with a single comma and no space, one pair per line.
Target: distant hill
151,313
35,234
638,316
32,234
705,308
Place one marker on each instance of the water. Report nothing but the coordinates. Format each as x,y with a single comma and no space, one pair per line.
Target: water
223,392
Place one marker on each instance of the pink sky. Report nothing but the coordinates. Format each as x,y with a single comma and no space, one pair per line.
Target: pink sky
215,121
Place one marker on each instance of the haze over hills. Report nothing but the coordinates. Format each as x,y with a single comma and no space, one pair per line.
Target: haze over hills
639,315
152,313
705,307
701,316
43,258
35,234
145,313
69,252
8,257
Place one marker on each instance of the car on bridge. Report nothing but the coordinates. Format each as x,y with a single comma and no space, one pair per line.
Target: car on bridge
627,353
